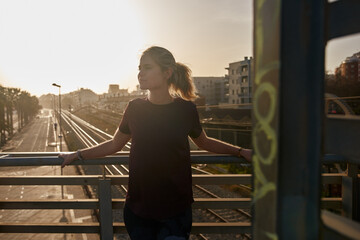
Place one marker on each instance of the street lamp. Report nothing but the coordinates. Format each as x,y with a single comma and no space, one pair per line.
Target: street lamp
63,219
60,136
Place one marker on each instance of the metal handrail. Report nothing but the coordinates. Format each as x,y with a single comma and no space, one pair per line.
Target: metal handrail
197,157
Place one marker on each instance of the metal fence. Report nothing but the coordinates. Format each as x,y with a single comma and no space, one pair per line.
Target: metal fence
105,203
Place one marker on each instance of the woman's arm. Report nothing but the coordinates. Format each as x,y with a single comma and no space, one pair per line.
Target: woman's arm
216,146
103,149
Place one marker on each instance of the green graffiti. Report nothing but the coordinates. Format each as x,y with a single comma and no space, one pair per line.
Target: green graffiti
265,187
264,119
271,236
266,69
260,177
263,122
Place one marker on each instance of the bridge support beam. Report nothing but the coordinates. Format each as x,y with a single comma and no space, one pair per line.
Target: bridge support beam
288,116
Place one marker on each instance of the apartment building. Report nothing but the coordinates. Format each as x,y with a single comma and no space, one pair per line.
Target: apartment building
349,69
240,80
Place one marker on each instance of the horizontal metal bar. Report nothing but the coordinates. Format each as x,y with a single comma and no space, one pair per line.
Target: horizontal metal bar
118,203
222,203
328,178
29,154
331,203
53,180
118,159
343,18
216,159
227,203
50,228
56,161
333,158
217,228
332,178
47,154
222,179
202,203
342,137
197,157
50,204
116,180
221,228
121,153
335,225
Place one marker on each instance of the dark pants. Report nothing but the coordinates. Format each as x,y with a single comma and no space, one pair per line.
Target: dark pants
175,228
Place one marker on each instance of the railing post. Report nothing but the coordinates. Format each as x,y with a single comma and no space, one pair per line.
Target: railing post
235,138
105,202
350,193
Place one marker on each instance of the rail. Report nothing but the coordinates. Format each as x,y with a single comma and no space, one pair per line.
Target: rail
105,203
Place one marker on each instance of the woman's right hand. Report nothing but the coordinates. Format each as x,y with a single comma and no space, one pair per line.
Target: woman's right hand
68,158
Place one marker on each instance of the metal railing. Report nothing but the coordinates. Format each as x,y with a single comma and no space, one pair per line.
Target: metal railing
105,203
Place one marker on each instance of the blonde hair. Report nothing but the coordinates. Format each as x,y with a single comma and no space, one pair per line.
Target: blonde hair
180,82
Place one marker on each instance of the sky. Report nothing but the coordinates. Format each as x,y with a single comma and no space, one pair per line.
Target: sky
94,43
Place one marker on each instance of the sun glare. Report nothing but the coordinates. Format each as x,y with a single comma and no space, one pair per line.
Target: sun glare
76,43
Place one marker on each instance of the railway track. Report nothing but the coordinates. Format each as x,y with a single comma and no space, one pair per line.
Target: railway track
89,135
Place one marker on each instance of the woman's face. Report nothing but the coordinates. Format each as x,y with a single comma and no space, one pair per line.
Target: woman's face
150,75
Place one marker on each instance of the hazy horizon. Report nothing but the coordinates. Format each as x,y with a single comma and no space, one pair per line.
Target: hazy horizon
91,44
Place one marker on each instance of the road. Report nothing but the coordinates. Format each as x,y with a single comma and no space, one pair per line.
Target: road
39,136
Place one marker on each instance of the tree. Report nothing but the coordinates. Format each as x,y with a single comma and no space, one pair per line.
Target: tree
2,116
11,99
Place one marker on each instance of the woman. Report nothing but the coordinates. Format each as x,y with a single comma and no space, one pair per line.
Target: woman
158,202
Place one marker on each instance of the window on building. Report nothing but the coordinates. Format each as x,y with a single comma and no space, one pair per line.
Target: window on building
244,79
233,101
244,68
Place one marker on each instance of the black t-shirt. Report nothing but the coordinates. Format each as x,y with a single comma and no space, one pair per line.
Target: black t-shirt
160,184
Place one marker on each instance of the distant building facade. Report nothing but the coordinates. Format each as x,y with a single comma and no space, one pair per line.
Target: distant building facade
240,79
213,89
116,98
349,69
80,98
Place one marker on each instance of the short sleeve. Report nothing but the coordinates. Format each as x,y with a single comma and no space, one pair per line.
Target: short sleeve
124,124
196,126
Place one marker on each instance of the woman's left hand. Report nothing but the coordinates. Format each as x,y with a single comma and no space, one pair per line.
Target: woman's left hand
68,158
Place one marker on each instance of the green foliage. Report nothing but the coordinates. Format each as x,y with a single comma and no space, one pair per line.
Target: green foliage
238,169
12,99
